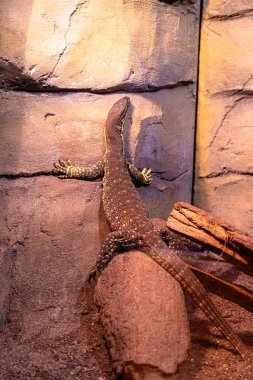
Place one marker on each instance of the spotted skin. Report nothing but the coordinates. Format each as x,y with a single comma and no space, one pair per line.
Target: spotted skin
65,169
132,227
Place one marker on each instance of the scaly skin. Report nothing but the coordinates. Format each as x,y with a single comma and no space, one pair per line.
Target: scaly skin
132,227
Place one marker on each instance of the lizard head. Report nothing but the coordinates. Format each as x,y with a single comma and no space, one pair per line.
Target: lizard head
116,117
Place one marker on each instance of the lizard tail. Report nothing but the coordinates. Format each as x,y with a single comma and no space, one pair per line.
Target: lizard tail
181,272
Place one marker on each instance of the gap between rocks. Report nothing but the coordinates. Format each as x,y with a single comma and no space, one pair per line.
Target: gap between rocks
230,108
227,171
243,13
49,75
26,175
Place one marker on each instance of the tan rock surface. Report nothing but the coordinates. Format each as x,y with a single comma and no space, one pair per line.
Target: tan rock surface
228,9
144,315
51,225
229,196
99,45
226,55
225,131
47,127
52,325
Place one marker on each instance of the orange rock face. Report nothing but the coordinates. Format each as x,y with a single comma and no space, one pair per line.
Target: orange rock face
224,168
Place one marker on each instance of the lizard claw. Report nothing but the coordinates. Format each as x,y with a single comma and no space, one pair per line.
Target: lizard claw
65,164
101,264
147,176
62,168
93,273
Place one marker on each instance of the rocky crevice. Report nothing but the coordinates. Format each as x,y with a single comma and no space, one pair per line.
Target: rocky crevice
229,109
243,90
49,75
224,17
13,78
228,171
12,176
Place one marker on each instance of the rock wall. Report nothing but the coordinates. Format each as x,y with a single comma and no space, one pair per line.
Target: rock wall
224,170
62,66
99,45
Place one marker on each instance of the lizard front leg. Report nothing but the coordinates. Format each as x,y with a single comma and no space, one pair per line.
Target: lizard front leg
114,241
142,177
65,169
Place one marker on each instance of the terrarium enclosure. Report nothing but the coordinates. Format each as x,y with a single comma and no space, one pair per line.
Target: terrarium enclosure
187,69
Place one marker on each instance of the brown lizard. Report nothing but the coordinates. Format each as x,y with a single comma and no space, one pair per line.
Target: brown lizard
130,224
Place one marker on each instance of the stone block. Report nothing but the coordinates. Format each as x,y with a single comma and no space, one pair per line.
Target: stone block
98,45
158,134
53,225
223,183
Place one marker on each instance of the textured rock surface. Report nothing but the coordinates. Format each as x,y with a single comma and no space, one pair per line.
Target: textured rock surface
50,227
53,224
143,312
228,9
98,45
224,180
52,325
6,262
50,235
46,127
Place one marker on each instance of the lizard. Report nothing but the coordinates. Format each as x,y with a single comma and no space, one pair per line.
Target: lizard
130,223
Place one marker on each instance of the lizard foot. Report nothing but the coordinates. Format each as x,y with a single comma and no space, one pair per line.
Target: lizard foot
63,169
100,265
141,177
92,275
97,268
146,176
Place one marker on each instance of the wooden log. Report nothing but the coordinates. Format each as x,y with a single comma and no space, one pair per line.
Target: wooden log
144,316
214,234
234,293
174,240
